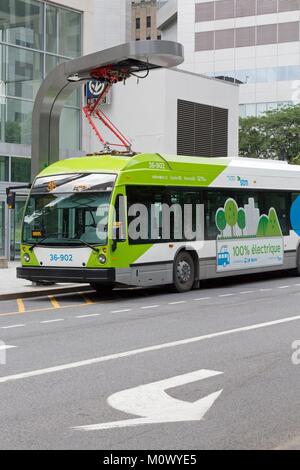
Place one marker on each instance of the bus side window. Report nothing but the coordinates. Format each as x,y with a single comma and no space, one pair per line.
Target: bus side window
189,200
213,200
278,201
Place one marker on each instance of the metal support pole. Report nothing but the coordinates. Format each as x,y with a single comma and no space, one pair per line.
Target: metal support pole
65,78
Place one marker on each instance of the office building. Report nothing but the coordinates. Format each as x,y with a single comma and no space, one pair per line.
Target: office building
253,42
35,36
143,22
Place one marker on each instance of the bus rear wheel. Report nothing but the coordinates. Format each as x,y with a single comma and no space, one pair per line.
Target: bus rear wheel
102,289
184,272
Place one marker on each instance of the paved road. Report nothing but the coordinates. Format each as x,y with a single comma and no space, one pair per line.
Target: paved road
70,354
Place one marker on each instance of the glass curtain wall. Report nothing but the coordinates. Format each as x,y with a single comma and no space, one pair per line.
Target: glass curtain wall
34,37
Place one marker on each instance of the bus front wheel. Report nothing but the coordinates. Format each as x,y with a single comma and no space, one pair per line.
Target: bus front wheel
184,272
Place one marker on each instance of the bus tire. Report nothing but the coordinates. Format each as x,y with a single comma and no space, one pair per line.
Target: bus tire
102,289
184,272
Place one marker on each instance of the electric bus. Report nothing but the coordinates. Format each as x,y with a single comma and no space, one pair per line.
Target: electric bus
150,219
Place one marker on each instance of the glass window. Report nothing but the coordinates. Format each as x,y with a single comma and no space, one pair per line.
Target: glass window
20,170
160,214
224,9
15,121
246,8
242,110
271,106
21,72
138,23
261,75
250,110
261,108
189,224
205,41
246,76
70,129
4,168
145,206
69,33
148,21
69,218
215,200
51,29
51,62
16,229
205,11
21,23
265,7
279,202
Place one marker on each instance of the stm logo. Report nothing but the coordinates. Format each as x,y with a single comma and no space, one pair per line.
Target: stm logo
243,182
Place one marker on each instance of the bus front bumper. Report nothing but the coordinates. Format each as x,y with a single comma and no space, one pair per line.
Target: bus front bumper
68,275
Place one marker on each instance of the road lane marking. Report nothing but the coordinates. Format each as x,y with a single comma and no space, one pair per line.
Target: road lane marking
55,304
40,310
177,303
11,326
53,321
154,405
226,295
122,311
21,306
150,306
147,349
202,298
5,347
283,287
87,300
89,316
265,290
247,292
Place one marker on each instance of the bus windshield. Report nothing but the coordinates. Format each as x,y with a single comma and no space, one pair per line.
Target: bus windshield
55,216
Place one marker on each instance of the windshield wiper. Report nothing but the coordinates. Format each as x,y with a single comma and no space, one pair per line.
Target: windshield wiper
44,239
65,239
78,240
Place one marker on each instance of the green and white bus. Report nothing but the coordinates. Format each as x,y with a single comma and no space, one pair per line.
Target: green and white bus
150,219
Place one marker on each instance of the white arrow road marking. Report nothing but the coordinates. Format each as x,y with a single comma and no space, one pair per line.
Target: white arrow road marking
152,403
4,347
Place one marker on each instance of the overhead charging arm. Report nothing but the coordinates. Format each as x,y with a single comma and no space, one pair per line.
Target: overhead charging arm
67,77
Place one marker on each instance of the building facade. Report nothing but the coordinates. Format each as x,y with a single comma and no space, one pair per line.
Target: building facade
143,24
35,36
177,113
255,43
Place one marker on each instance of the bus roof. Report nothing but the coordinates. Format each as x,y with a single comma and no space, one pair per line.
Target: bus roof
115,164
147,168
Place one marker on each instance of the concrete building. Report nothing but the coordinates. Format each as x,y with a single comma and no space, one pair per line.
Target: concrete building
35,36
253,42
143,24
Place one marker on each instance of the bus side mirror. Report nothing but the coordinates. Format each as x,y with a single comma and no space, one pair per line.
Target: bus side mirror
11,199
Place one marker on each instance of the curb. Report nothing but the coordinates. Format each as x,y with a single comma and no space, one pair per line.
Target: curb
44,292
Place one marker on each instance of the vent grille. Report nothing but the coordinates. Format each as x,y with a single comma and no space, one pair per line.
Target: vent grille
202,130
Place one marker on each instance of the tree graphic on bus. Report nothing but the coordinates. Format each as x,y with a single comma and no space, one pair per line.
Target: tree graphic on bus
246,222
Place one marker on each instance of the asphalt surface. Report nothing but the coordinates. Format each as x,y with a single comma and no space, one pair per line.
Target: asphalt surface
69,354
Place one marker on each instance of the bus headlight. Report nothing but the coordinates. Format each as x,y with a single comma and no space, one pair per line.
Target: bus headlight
102,259
27,257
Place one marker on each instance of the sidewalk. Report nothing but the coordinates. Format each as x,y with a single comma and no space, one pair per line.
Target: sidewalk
13,288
